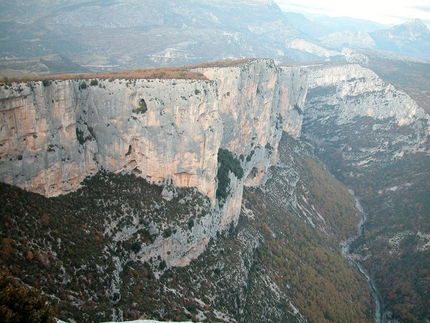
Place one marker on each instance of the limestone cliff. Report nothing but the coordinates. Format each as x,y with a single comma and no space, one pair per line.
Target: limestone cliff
257,101
169,132
370,95
350,106
54,136
166,131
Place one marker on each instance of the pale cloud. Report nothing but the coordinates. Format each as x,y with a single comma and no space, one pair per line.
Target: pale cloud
383,11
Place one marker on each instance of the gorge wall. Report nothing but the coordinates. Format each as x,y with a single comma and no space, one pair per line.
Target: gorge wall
169,132
372,123
55,135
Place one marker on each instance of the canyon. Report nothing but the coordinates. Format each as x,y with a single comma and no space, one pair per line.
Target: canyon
56,135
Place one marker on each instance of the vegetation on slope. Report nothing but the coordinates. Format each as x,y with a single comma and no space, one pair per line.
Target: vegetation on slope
304,249
20,304
318,280
226,163
395,194
77,247
273,266
327,202
396,243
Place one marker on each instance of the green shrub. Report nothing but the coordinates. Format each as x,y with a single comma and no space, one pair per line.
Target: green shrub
142,107
80,136
94,82
297,108
82,139
135,247
227,163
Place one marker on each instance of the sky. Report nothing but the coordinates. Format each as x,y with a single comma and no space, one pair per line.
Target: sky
383,11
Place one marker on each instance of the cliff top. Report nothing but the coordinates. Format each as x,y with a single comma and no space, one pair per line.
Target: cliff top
180,72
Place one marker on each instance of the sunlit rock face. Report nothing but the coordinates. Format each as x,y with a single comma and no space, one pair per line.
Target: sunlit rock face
169,132
256,103
39,149
53,135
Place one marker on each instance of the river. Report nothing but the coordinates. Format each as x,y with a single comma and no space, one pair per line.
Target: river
347,255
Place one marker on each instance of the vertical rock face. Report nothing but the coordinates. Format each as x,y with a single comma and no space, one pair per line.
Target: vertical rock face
170,131
157,129
53,136
257,101
166,131
38,147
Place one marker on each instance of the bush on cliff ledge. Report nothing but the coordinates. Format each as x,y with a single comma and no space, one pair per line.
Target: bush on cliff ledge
227,163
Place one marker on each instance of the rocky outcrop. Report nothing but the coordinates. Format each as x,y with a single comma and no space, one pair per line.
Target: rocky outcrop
349,106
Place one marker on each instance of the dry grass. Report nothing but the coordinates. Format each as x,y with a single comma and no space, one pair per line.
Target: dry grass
224,63
181,72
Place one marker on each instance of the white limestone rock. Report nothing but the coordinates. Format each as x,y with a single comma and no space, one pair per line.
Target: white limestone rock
170,131
166,131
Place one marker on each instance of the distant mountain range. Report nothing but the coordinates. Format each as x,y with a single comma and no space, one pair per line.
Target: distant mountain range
411,38
114,35
322,25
